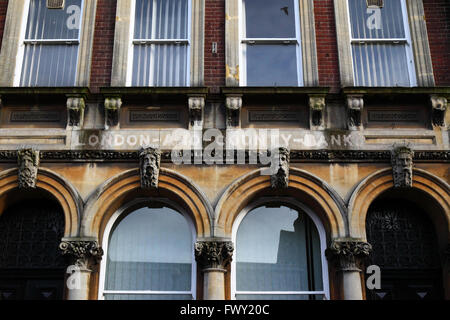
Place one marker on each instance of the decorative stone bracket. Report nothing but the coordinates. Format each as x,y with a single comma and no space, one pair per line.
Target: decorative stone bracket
149,165
214,254
233,105
75,111
112,111
85,253
348,255
28,162
196,107
402,164
317,106
355,105
439,108
280,166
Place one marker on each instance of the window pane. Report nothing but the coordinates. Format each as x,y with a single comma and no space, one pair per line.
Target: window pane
270,18
47,24
49,65
370,23
160,65
161,19
150,249
272,251
382,65
272,65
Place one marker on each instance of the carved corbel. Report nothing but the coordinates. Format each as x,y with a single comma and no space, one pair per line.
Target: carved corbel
112,111
316,112
348,255
439,108
280,162
196,107
84,253
149,165
233,106
75,111
402,164
28,161
214,255
355,105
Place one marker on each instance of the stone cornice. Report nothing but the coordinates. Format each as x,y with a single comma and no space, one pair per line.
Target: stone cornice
383,156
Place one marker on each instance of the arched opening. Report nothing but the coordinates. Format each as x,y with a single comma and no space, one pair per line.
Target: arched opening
149,253
31,265
399,225
279,252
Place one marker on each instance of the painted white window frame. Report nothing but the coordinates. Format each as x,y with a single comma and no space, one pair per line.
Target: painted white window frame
105,242
244,42
406,41
323,246
134,42
24,42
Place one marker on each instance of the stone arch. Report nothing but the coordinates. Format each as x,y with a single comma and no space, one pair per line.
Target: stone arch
47,180
311,190
125,187
424,183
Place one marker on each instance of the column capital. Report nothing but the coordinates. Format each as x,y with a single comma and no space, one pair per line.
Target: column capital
85,253
214,255
348,255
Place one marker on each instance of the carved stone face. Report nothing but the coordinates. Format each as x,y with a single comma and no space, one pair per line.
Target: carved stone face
402,169
281,178
28,161
150,162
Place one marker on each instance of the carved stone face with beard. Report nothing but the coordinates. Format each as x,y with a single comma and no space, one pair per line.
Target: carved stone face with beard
402,162
28,161
280,179
150,160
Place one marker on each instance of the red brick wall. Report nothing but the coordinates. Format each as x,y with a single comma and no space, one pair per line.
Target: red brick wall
327,54
103,44
437,15
215,32
3,9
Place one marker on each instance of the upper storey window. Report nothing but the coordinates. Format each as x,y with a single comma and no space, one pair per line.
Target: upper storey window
50,50
381,45
161,43
270,43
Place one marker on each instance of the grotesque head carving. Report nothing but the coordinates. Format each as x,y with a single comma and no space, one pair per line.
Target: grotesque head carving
150,160
402,162
280,178
28,161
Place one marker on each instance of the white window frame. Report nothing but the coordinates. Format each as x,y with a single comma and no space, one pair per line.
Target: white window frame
323,246
24,42
406,41
133,42
105,243
244,42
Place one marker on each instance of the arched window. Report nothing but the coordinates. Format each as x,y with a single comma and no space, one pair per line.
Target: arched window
279,254
149,255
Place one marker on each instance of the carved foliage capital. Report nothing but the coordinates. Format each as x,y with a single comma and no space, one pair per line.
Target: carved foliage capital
149,165
348,255
439,108
280,177
214,254
112,110
86,254
28,162
75,110
402,164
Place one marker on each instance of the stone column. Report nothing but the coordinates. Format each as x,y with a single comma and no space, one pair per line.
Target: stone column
348,258
213,258
85,255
